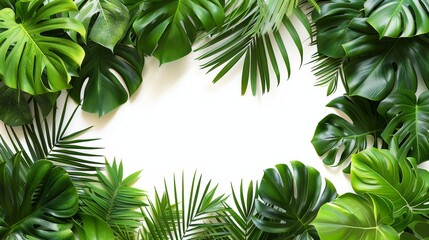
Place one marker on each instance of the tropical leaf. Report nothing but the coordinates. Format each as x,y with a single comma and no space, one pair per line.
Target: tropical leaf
168,28
420,231
398,18
106,21
114,200
408,123
289,199
335,25
49,139
93,228
39,205
337,137
104,90
176,216
242,38
353,216
239,216
328,71
398,180
51,60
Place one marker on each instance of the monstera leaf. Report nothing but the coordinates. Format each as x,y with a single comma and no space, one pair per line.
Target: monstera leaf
106,21
335,135
398,18
353,216
335,24
408,123
382,66
39,204
289,200
398,180
50,60
104,90
420,231
168,28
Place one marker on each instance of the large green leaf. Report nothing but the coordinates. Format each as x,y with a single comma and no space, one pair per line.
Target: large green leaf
50,60
39,205
104,90
353,216
106,21
336,136
114,200
289,199
178,216
93,228
168,28
419,229
398,18
243,38
335,25
408,123
398,180
382,66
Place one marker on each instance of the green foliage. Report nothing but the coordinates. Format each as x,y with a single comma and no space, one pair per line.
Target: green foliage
104,90
50,60
289,200
408,123
106,21
93,228
419,230
114,200
176,215
336,137
38,204
398,18
353,216
167,29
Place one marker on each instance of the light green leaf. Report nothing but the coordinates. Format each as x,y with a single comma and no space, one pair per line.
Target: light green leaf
408,123
50,60
167,29
353,216
104,90
398,18
93,228
398,180
289,200
106,21
39,204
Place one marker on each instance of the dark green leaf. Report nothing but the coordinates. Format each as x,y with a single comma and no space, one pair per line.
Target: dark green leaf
104,90
289,200
337,137
39,205
14,107
93,228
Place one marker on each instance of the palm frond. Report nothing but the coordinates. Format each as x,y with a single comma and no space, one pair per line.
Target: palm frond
115,201
48,138
172,215
245,37
328,71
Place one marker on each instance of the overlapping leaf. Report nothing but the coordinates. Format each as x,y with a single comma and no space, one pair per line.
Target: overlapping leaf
50,60
353,216
168,28
337,137
106,21
290,198
104,90
39,206
408,122
398,18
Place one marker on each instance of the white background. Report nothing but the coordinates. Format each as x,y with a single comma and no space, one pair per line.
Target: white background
180,121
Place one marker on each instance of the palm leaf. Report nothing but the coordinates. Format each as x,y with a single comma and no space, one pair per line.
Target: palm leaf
114,200
175,216
48,139
167,29
50,60
241,38
40,204
328,71
289,200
